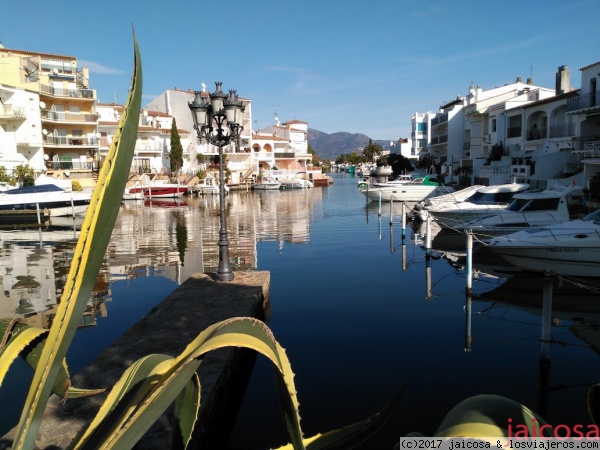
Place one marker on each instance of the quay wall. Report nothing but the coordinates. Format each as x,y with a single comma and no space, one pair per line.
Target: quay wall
198,303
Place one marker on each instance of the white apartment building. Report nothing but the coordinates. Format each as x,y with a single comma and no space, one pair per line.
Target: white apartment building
240,163
65,112
20,129
153,142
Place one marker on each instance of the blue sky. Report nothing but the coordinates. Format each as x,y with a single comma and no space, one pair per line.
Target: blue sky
354,65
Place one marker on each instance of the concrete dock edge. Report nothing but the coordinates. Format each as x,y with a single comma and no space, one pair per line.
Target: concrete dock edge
198,303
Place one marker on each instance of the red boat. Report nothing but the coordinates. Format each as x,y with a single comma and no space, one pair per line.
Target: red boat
160,190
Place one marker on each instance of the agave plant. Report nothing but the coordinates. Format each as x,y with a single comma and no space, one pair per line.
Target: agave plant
150,385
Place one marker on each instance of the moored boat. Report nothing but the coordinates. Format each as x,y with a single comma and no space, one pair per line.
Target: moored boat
571,248
159,189
267,184
527,210
208,185
487,200
47,196
296,183
415,190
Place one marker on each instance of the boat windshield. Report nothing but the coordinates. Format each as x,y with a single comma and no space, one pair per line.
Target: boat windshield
491,197
536,204
593,217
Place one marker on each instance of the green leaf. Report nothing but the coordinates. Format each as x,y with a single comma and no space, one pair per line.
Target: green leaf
186,409
89,252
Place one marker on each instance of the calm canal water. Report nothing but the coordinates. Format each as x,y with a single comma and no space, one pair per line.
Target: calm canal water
360,314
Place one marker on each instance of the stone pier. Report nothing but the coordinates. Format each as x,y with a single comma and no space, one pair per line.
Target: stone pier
168,328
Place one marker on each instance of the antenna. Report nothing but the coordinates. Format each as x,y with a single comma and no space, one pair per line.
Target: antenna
275,114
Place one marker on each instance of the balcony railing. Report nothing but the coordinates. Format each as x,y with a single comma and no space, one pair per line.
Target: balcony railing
285,155
66,92
148,148
12,112
435,140
439,120
583,101
563,130
536,133
70,165
513,132
588,145
70,140
68,117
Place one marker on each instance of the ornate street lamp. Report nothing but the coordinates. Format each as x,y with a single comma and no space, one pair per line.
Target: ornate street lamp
213,114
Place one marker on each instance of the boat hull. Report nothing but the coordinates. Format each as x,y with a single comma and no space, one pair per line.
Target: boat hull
569,261
266,186
160,191
406,193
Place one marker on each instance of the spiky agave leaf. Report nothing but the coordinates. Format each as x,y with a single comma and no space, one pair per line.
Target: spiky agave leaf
20,339
129,416
89,252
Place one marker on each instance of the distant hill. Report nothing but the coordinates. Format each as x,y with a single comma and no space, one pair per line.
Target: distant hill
330,146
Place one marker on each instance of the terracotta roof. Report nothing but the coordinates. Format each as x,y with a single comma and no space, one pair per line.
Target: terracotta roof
260,137
590,65
48,55
294,121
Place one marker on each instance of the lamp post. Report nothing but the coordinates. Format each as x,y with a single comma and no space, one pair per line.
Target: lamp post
213,114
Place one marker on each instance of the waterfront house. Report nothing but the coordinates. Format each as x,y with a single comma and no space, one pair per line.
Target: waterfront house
67,113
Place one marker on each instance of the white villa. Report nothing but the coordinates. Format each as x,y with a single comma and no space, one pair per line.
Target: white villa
517,131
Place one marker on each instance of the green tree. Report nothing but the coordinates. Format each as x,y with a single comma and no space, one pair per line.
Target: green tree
4,176
315,159
400,164
24,175
176,153
371,151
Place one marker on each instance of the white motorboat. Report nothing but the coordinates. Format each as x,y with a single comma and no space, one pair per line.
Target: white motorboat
47,196
571,248
486,200
267,184
453,197
415,190
527,210
208,185
296,183
399,180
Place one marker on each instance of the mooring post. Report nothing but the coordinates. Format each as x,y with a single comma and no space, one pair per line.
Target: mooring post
403,222
37,208
428,237
72,208
546,317
428,294
469,264
468,336
379,209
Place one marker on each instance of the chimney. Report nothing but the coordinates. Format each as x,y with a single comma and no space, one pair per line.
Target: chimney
562,80
519,80
530,81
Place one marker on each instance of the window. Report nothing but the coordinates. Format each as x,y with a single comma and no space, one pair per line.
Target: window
493,125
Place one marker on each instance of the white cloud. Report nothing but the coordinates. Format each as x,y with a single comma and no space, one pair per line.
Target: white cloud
99,68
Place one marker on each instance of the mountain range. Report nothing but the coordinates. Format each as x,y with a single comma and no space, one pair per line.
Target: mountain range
330,146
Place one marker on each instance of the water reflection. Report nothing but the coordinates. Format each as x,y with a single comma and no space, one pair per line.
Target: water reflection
171,238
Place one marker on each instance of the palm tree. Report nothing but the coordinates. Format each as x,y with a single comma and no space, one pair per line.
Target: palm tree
371,151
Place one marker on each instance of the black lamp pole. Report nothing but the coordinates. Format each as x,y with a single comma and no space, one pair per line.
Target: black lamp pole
213,114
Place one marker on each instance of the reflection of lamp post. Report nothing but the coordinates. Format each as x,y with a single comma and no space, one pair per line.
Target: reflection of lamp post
211,118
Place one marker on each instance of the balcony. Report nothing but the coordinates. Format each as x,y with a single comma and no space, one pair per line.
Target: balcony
439,120
148,148
87,94
285,155
69,164
536,133
11,112
583,102
64,117
71,141
589,146
562,130
513,132
437,140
